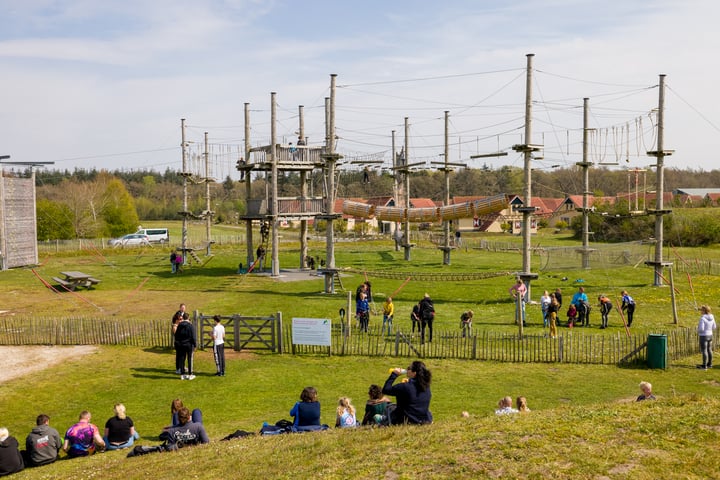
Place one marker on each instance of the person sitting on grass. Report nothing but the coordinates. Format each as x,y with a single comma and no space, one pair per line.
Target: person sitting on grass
175,407
521,404
186,433
83,438
345,414
11,460
646,389
413,397
42,444
375,406
120,430
306,412
505,407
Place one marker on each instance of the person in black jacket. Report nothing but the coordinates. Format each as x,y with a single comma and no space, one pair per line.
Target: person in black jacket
427,315
185,344
11,460
412,397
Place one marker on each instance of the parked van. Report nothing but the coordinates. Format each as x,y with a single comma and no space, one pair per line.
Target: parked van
155,235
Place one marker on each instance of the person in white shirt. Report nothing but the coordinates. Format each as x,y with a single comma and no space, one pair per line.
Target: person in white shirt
706,326
218,335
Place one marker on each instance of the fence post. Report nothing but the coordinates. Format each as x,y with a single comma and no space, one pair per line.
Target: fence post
278,323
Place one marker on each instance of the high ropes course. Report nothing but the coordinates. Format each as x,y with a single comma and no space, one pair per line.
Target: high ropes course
476,208
427,276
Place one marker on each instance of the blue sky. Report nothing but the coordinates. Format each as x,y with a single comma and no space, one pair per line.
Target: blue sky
104,84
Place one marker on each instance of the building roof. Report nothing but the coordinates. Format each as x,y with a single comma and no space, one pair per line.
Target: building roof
695,191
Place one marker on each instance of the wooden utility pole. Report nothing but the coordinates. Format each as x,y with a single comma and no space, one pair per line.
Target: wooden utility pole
250,254
208,208
446,223
185,174
396,190
527,209
585,165
331,159
274,208
303,188
660,211
406,236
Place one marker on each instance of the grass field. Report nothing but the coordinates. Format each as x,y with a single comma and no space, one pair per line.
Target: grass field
584,423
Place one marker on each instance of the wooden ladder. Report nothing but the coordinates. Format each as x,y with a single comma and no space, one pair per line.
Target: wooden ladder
337,282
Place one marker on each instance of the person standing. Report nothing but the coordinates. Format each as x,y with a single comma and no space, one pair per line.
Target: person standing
185,344
558,297
42,444
427,316
11,460
218,335
466,323
173,265
362,312
260,254
388,315
706,327
628,306
582,305
553,310
519,293
544,304
605,308
412,397
415,317
83,438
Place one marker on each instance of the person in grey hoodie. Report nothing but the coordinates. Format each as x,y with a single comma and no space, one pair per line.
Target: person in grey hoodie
10,458
42,444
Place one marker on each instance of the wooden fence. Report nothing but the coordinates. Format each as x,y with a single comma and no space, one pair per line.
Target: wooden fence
269,333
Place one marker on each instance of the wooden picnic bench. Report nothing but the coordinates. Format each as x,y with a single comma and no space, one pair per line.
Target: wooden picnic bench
74,279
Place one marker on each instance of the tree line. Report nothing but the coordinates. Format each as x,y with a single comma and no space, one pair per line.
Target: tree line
97,203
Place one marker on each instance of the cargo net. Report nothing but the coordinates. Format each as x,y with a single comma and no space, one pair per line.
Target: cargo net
600,256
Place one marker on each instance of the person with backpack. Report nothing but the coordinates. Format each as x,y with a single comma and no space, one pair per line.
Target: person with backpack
427,315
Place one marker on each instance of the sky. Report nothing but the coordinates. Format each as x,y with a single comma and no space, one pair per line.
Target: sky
104,84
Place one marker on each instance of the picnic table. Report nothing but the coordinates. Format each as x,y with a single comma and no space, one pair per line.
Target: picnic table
74,279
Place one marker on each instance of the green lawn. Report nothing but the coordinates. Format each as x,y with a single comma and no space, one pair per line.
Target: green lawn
583,425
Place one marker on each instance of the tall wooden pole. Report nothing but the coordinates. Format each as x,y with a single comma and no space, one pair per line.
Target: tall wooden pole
585,165
185,192
527,155
208,208
446,223
658,264
274,209
250,254
406,236
302,152
330,161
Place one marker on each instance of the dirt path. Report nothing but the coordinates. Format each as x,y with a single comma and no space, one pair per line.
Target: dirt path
19,361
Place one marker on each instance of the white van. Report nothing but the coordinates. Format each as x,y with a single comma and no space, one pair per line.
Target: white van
155,235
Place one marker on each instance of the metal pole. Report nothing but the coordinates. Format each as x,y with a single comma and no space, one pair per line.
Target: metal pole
396,190
527,165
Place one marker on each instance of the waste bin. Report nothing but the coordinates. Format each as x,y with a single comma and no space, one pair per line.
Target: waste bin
657,350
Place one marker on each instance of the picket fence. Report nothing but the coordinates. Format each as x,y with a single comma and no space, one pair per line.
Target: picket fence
571,346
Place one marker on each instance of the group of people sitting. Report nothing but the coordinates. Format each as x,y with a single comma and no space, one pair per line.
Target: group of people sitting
43,443
505,406
412,405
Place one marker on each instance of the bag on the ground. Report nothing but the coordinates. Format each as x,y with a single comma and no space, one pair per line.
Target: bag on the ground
237,434
145,449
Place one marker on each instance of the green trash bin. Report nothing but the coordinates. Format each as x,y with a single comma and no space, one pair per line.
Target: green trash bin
657,351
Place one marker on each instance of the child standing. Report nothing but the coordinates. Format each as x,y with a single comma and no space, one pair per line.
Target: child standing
466,323
571,315
605,308
628,305
388,314
345,414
